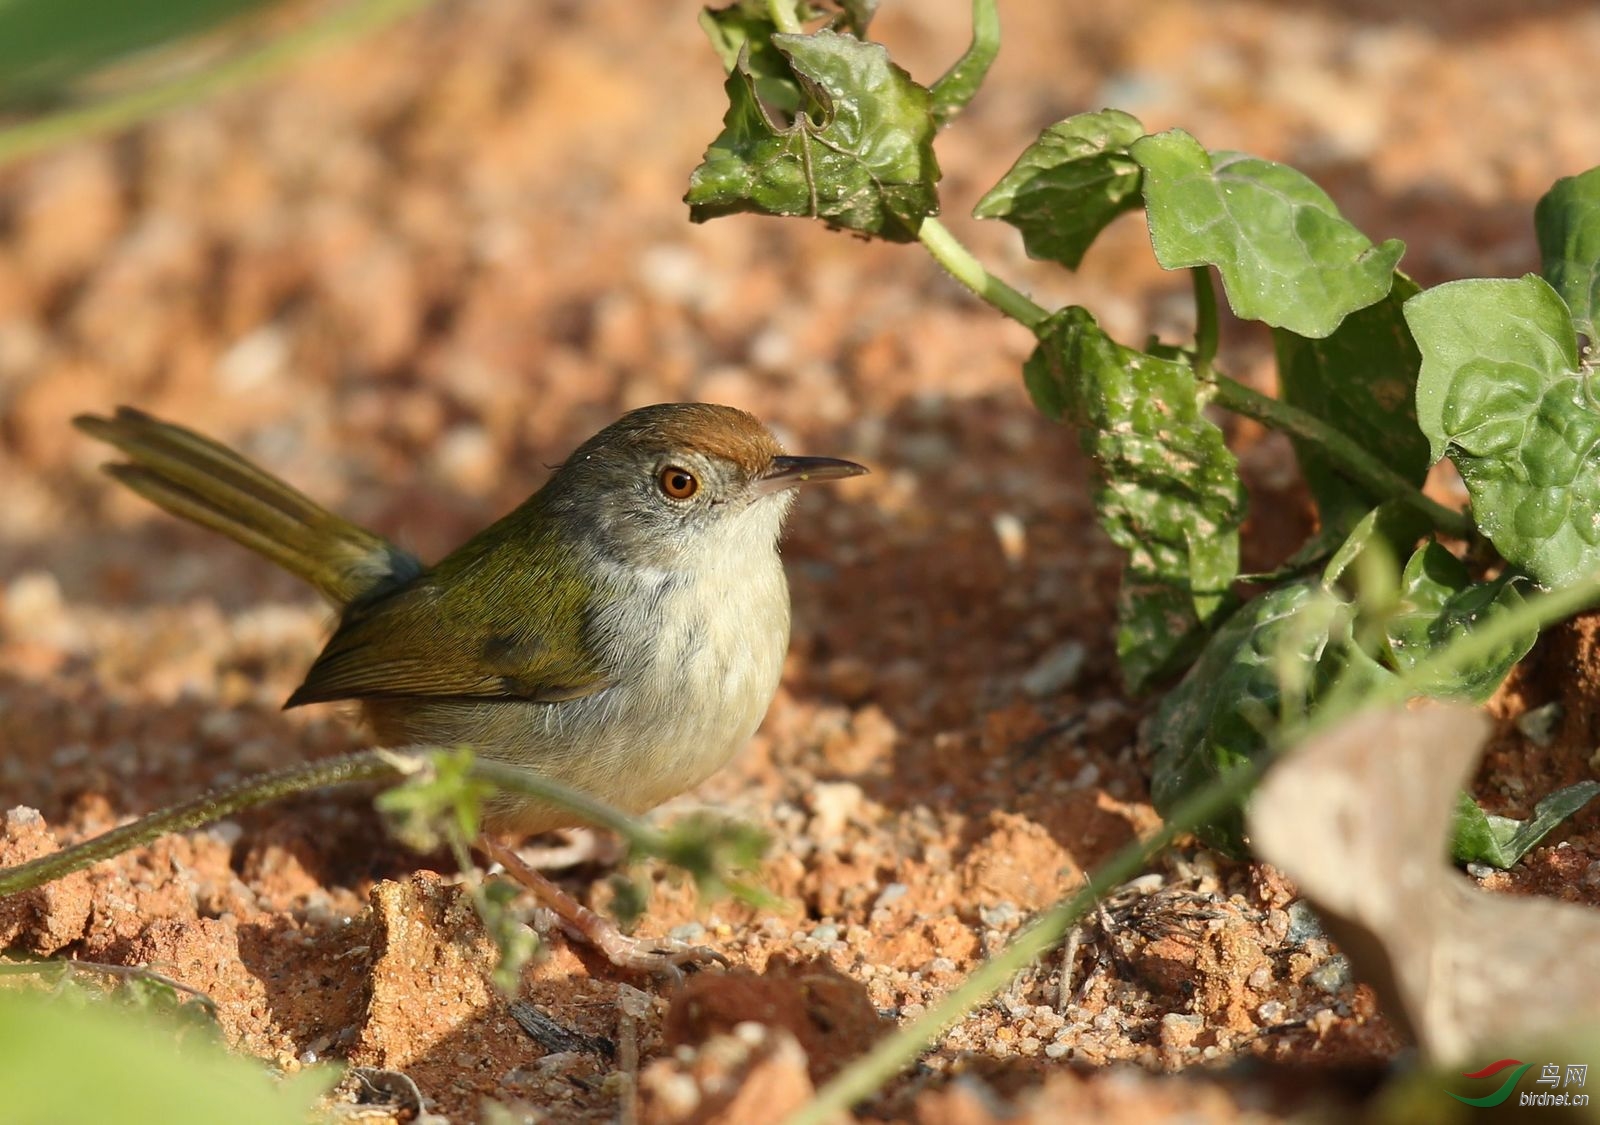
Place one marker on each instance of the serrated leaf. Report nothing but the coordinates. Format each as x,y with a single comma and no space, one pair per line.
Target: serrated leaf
1286,255
1567,220
1068,185
1169,491
1362,380
745,29
1499,841
859,155
1439,603
1502,394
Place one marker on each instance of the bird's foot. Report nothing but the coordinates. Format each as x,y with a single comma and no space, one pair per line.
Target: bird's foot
662,956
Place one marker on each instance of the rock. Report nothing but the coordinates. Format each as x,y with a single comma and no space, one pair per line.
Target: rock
831,1016
1016,861
833,803
430,973
1055,671
753,1075
46,918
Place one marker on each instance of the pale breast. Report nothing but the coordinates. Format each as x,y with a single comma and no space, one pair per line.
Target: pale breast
698,659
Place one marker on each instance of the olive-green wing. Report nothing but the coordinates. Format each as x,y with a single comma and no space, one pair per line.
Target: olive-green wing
498,620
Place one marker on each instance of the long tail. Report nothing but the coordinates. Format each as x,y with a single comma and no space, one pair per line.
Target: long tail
201,480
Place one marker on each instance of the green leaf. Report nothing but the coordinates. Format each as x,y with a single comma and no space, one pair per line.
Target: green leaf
1068,185
65,1063
859,155
1169,491
745,29
1393,527
1362,379
1286,255
956,87
1502,393
1500,841
1439,603
1568,223
1268,662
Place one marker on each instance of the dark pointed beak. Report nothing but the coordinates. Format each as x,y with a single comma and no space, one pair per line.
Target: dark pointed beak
788,472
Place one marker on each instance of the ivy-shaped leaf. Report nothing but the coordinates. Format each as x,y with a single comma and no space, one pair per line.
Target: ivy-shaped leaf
1068,185
1169,491
858,155
1361,379
1568,223
1439,603
1502,392
1286,255
1500,841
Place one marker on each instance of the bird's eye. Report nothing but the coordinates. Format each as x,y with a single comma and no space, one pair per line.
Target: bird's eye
676,483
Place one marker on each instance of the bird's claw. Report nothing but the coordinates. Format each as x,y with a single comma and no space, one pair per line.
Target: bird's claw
658,956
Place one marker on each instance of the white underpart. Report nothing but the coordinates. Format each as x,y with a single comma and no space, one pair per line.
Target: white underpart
716,631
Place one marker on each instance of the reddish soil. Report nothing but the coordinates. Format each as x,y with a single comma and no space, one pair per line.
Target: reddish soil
411,274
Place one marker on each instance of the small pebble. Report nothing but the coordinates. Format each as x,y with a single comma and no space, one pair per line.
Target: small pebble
1303,923
1012,536
1055,671
1332,977
1539,725
688,932
998,915
890,894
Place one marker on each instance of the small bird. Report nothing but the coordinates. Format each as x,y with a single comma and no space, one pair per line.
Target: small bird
622,631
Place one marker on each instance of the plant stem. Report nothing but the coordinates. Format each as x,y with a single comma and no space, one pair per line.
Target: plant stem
951,93
948,251
370,765
345,22
782,14
1351,458
1354,461
1206,331
863,1077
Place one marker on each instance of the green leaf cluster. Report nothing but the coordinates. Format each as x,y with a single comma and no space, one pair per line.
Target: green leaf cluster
1377,381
